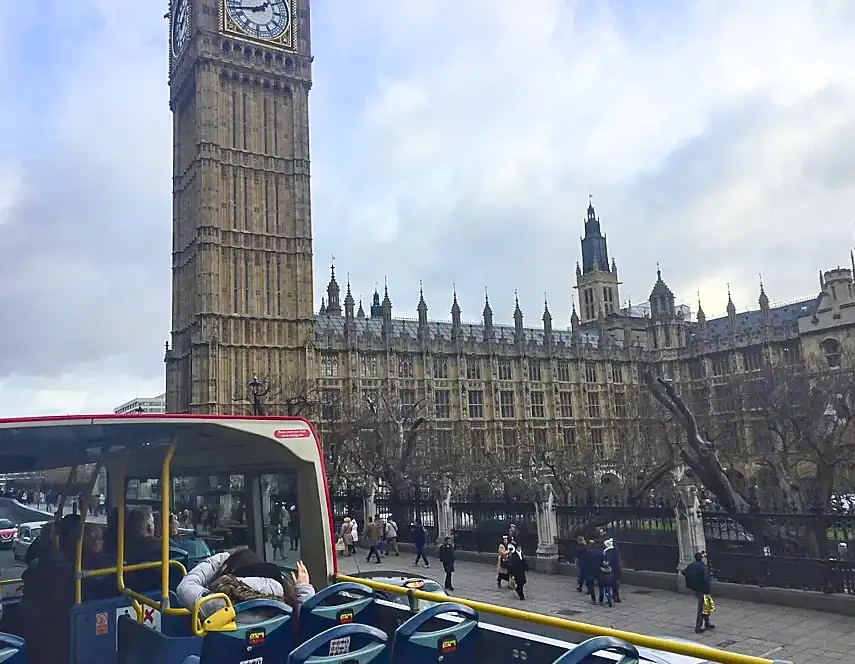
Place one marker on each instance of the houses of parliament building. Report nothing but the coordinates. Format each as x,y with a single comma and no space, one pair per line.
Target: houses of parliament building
242,300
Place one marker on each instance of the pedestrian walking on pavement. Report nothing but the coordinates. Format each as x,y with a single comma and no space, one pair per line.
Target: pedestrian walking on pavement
372,539
502,562
591,562
517,567
605,582
697,575
446,557
419,541
612,556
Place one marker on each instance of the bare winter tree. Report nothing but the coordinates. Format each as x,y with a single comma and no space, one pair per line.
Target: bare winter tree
274,395
812,415
800,421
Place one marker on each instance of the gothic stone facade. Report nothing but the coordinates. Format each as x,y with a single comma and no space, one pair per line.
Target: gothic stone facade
499,385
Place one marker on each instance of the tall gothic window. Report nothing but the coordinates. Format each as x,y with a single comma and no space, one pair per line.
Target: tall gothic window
476,404
266,205
831,348
235,284
234,199
234,119
329,366
264,110
243,119
440,367
246,284
405,366
268,294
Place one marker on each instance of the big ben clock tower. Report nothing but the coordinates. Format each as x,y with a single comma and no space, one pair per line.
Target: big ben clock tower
240,74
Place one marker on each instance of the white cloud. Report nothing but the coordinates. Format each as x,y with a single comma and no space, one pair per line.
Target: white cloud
452,142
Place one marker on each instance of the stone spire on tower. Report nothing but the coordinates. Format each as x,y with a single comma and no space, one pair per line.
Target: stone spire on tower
348,301
519,335
333,303
763,300
488,317
455,316
423,313
731,308
547,321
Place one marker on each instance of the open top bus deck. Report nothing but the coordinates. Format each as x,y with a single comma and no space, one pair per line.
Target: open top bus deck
347,621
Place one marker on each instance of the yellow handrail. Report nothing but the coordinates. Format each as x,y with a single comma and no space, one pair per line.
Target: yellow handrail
221,620
652,642
165,523
78,553
164,562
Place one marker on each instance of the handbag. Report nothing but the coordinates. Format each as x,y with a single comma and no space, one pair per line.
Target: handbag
339,545
709,606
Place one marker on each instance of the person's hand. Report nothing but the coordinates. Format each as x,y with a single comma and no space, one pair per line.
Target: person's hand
301,577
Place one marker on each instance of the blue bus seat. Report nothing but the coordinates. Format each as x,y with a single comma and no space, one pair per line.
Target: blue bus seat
591,646
335,646
459,641
94,626
269,638
139,644
13,649
337,604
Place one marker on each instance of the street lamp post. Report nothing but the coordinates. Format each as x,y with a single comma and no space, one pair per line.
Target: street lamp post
255,389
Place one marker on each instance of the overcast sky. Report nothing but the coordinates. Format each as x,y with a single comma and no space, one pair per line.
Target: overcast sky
452,142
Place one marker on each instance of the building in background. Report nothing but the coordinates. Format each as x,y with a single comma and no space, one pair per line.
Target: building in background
143,405
508,388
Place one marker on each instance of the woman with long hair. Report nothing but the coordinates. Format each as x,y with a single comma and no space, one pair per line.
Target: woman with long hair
242,575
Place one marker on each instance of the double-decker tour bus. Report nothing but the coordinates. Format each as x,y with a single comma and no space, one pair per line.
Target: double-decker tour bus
232,482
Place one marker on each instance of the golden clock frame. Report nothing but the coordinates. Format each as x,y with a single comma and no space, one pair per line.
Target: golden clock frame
285,42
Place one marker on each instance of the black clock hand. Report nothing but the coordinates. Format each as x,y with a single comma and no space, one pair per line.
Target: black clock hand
251,8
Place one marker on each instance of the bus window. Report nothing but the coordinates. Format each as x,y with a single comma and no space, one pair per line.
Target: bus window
214,507
280,518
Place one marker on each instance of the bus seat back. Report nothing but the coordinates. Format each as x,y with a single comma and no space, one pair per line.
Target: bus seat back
337,645
583,651
264,639
139,644
337,604
423,640
13,649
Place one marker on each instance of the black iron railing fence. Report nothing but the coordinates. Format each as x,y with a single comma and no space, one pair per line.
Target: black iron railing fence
779,547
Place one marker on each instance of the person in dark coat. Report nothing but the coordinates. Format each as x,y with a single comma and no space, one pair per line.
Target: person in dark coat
581,545
419,541
517,568
591,567
612,556
446,557
697,576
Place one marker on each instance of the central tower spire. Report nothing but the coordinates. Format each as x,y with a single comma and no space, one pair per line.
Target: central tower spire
597,280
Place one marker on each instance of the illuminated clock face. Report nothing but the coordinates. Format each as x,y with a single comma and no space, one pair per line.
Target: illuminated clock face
261,19
180,26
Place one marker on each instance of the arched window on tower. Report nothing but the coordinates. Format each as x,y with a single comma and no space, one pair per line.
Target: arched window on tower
831,349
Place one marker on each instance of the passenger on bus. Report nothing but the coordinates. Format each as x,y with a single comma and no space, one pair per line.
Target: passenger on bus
49,590
142,547
242,575
41,543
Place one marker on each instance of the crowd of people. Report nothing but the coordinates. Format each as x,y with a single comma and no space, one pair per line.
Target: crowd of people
599,564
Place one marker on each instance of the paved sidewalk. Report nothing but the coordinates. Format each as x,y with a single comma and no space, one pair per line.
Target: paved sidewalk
49,511
798,635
